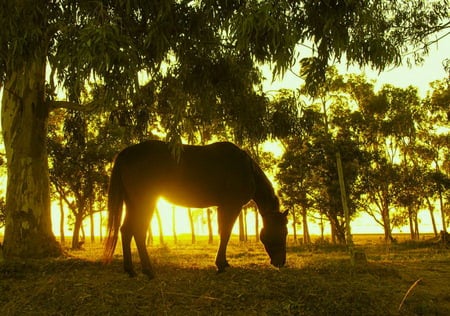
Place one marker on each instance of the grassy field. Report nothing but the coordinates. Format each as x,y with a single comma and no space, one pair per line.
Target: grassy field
319,280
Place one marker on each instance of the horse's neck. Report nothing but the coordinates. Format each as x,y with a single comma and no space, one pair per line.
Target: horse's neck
264,194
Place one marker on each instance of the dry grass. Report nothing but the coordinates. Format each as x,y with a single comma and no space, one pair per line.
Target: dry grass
319,280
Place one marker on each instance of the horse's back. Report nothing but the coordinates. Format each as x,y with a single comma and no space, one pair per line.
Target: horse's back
215,174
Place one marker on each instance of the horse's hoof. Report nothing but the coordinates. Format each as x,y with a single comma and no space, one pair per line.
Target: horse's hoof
221,267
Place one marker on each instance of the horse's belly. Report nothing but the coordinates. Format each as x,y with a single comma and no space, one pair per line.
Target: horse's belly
190,199
198,195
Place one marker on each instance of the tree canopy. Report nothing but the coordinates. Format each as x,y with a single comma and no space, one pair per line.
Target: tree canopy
168,63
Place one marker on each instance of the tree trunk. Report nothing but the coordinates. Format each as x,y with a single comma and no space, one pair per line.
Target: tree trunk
210,229
191,221
91,218
241,227
174,225
61,221
244,211
322,228
28,229
306,236
333,232
433,221
294,225
150,235
387,225
416,226
76,231
411,226
255,209
441,204
160,227
100,230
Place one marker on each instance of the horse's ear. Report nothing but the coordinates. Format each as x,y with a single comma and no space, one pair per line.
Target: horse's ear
286,213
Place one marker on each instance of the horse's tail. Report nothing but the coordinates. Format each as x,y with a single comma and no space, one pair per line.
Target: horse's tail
116,195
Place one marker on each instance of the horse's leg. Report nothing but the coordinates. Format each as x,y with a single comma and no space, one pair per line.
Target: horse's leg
127,235
226,218
140,239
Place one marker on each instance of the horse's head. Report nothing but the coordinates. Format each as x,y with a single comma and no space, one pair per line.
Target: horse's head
273,236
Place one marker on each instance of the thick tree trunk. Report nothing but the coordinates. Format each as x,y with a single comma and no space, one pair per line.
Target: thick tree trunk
28,229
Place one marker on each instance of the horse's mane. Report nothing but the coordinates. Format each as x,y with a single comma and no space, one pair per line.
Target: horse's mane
265,196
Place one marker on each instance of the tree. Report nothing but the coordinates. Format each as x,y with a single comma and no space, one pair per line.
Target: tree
435,147
191,224
294,177
112,43
78,159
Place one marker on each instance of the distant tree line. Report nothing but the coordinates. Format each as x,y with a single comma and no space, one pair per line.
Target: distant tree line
394,148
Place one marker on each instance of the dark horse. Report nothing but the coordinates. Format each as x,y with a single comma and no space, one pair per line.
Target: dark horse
219,175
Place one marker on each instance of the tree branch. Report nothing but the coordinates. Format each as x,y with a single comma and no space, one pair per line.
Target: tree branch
88,107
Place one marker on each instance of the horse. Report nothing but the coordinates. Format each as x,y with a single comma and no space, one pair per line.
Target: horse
219,174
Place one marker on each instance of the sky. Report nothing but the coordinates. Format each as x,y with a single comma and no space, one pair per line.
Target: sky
403,76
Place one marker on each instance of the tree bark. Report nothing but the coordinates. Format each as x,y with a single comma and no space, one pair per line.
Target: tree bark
28,229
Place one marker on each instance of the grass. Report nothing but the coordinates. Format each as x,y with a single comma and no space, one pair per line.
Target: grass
319,280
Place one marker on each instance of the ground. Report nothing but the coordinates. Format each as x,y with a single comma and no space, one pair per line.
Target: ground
403,279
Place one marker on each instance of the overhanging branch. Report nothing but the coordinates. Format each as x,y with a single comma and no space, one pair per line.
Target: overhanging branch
88,107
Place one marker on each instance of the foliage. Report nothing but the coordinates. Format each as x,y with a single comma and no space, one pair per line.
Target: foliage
79,160
384,138
199,58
